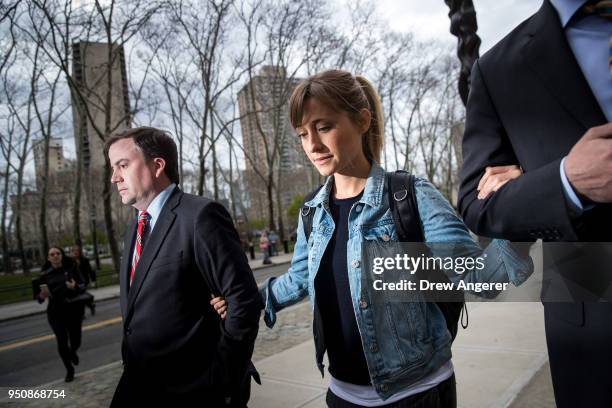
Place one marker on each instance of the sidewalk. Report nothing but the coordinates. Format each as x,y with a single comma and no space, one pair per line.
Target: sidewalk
495,359
28,308
500,361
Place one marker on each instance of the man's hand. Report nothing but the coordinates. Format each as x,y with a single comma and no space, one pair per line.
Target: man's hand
495,177
588,165
220,305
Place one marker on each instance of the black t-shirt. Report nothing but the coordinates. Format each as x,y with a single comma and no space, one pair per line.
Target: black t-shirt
344,349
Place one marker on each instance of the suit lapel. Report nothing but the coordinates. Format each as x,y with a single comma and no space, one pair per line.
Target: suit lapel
150,249
124,276
550,57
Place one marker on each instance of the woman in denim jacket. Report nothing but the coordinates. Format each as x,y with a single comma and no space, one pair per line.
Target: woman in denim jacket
396,354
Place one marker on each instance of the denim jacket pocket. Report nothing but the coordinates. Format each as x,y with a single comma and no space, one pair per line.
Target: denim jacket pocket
382,232
408,320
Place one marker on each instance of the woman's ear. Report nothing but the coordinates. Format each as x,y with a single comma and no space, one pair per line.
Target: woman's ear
365,119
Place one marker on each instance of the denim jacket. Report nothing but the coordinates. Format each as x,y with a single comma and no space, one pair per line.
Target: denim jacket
403,342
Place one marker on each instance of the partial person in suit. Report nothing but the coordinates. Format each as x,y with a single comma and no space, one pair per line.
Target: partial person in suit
542,99
82,262
88,274
181,250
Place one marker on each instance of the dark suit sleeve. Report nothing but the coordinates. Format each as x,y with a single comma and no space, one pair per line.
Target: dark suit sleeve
220,257
89,274
75,274
529,207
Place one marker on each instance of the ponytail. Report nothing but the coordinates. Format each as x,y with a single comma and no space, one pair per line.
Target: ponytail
373,140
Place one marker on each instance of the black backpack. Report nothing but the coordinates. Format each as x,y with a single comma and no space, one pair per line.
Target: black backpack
405,212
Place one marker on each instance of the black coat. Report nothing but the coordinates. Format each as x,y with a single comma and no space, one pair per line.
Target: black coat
174,341
529,104
55,279
88,274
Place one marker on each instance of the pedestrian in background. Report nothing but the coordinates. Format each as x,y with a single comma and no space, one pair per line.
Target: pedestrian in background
273,243
61,282
264,247
88,274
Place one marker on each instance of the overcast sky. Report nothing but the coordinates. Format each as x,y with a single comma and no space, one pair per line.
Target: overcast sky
429,18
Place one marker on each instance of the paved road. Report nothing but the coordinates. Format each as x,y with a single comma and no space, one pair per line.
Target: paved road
28,352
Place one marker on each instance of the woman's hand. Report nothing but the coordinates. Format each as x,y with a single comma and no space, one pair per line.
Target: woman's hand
495,177
220,305
44,292
71,284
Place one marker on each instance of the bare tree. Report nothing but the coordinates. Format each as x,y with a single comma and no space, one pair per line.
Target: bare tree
283,28
23,113
204,38
173,73
45,121
113,24
6,141
7,23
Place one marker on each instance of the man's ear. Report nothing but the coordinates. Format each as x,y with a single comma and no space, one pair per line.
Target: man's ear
365,118
160,166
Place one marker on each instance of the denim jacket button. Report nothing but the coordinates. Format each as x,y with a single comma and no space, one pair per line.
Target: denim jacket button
358,208
355,263
374,348
363,304
385,237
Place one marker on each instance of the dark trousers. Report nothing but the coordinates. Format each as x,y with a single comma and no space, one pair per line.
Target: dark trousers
66,321
580,353
443,395
132,392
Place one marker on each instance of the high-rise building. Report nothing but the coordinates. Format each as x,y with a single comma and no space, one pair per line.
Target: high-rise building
56,160
263,104
101,108
90,68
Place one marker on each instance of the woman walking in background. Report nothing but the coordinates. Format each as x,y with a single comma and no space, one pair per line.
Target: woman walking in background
264,247
61,282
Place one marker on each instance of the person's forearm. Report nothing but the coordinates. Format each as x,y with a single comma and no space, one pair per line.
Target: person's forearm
527,208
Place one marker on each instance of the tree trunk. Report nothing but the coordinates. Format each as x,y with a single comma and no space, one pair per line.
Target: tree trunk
214,158
76,211
44,238
270,197
108,218
20,248
6,256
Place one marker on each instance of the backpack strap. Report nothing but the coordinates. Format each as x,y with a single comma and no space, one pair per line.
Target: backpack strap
403,206
405,213
307,213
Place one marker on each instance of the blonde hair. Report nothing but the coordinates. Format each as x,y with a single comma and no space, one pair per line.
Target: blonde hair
341,91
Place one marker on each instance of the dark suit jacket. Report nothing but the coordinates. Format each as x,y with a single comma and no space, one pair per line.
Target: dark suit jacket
529,104
174,341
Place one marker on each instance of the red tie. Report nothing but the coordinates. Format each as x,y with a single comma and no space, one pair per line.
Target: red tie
142,224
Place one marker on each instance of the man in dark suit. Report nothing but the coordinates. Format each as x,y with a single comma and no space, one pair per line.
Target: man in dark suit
181,250
542,98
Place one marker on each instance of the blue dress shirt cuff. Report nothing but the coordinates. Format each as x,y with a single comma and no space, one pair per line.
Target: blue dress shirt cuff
576,205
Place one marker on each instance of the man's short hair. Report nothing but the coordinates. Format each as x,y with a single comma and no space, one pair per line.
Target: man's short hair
152,143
